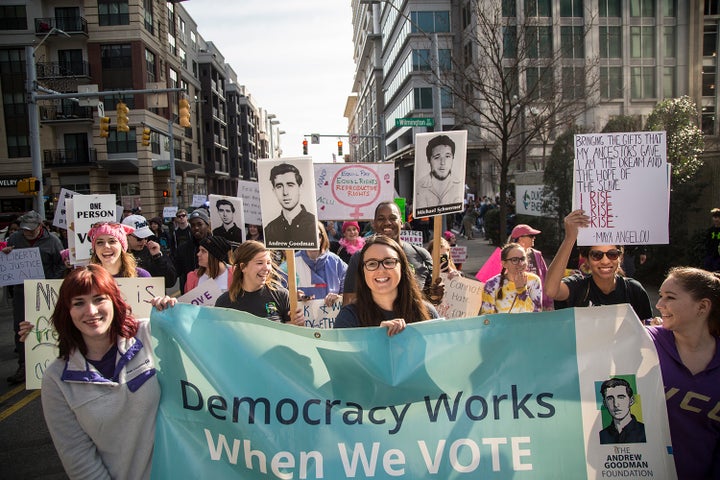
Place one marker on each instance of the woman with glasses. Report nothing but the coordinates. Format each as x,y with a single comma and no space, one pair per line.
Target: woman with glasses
514,289
109,249
525,235
387,295
603,286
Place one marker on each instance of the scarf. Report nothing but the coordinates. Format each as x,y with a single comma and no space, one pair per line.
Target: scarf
351,248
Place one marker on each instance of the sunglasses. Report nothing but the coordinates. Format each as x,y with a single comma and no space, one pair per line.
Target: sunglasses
516,260
181,215
597,255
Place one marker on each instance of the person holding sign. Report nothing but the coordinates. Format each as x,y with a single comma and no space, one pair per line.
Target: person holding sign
100,397
109,249
688,347
386,295
604,285
514,289
213,257
320,273
256,288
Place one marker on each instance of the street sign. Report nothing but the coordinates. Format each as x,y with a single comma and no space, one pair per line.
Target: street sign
415,122
315,138
354,139
101,109
88,101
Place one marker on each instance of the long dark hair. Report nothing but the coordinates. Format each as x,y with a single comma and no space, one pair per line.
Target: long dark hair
408,304
82,281
701,284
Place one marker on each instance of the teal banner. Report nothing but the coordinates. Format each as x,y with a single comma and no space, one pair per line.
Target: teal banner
487,397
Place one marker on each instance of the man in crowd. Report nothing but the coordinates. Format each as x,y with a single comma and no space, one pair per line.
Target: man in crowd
32,234
147,253
229,229
186,258
388,222
180,231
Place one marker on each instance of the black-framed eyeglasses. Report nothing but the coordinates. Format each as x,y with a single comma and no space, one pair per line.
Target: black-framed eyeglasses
516,260
597,255
387,263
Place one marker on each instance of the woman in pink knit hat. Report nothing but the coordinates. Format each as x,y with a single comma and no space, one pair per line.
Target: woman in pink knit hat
350,242
109,247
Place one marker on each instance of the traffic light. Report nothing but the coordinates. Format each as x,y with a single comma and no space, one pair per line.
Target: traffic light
165,193
122,117
28,185
339,148
305,149
146,137
104,127
184,113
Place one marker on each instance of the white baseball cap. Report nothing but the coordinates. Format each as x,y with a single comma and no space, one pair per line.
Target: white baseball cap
140,224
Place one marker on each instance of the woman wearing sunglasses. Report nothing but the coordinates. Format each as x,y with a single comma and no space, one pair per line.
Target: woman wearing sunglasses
604,285
514,289
387,295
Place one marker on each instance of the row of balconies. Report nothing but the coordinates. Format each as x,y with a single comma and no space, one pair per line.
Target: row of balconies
69,158
47,70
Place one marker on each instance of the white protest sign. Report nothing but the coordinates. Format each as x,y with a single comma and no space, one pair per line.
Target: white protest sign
352,190
319,315
412,236
19,265
439,173
40,299
60,219
198,200
169,212
204,295
462,298
620,181
250,193
529,200
86,211
458,254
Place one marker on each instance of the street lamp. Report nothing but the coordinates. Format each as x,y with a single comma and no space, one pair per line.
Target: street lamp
34,119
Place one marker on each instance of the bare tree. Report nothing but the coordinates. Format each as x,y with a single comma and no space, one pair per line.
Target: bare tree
520,78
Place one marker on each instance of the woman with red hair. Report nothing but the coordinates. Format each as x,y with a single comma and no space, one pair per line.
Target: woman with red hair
100,396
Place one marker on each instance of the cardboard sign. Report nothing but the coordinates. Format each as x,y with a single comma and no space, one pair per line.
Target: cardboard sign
412,236
85,211
199,200
621,181
19,265
462,298
458,254
319,315
40,299
352,190
250,194
169,212
205,294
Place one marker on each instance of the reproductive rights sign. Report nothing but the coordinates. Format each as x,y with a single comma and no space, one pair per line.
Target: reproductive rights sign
351,191
622,182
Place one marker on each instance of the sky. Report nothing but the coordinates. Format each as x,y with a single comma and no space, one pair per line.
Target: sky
295,57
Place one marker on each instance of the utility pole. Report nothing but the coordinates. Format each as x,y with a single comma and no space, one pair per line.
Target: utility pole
34,128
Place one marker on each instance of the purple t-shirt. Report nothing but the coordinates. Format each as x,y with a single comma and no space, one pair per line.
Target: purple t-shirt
693,404
141,273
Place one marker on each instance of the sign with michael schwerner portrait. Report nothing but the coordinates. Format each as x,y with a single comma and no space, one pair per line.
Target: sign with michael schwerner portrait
439,172
288,203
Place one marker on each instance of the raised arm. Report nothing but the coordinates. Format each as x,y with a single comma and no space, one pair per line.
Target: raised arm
553,285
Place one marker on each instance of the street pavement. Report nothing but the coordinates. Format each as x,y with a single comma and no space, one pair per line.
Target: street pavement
26,449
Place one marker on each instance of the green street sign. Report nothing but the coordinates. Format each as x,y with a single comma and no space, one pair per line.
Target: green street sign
160,168
415,122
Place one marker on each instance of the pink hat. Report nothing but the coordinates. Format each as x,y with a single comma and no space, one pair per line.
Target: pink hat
117,230
522,229
448,235
350,224
65,255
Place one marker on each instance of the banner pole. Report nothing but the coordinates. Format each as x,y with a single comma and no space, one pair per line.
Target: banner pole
292,283
437,227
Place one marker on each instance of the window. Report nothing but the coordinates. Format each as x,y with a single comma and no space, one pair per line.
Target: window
149,18
115,56
712,7
509,42
421,60
70,62
510,79
571,8
642,82
13,17
466,15
539,82
708,120
610,42
710,39
423,98
573,83
150,65
121,142
642,8
539,42
113,12
708,80
68,19
537,8
572,42
669,37
670,8
468,54
669,90
611,79
430,22
610,8
642,42
508,8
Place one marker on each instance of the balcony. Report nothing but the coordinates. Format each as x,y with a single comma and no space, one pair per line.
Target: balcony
69,158
69,25
48,70
64,112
